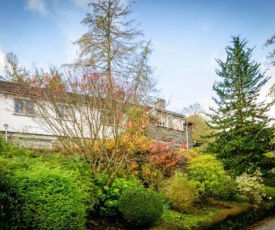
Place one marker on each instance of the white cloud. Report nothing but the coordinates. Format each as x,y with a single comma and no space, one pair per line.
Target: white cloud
84,3
37,6
2,61
81,3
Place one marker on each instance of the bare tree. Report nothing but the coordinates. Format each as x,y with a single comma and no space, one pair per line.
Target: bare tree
195,113
271,63
14,71
87,104
79,110
271,54
193,109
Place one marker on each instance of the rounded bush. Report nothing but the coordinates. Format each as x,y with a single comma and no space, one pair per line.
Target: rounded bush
112,194
140,207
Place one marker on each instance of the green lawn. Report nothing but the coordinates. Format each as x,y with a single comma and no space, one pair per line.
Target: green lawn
205,215
270,191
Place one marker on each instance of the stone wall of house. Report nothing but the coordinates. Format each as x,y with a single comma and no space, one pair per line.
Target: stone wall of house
30,141
165,134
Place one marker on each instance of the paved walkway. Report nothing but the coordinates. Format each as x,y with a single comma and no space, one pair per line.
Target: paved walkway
266,224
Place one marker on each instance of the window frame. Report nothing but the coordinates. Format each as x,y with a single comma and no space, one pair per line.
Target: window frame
23,106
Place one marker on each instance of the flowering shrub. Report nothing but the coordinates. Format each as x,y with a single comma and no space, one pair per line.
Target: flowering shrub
162,156
250,186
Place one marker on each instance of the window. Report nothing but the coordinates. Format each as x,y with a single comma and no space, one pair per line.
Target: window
23,106
170,121
161,120
64,112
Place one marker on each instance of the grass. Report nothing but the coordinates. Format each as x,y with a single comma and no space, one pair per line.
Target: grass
270,191
210,212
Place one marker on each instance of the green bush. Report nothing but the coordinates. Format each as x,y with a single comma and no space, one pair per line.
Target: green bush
9,214
181,192
110,195
210,173
251,186
140,207
39,195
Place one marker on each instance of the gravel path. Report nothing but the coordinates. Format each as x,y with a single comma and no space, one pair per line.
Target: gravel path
266,224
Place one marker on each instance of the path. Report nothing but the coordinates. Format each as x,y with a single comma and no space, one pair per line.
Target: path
266,224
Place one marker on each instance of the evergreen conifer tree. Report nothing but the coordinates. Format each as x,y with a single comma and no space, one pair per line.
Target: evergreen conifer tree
242,132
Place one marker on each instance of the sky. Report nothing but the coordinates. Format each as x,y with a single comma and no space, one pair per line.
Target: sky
187,37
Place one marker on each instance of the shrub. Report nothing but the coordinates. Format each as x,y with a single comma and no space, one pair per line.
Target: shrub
152,177
50,199
140,207
210,173
110,195
180,192
250,186
40,196
189,154
9,215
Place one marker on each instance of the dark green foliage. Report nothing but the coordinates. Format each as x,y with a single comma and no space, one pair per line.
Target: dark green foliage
39,194
140,207
242,133
9,215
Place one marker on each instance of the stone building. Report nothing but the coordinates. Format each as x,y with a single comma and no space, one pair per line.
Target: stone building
169,126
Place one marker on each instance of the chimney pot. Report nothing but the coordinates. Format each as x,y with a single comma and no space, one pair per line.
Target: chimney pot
160,103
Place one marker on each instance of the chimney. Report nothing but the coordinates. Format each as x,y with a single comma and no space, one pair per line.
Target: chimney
160,103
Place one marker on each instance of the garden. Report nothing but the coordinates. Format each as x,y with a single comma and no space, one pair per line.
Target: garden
160,188
110,173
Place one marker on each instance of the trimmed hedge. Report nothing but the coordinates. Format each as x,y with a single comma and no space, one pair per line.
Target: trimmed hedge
38,194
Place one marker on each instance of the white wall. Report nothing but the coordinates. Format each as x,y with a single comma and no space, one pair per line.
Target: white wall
28,124
17,122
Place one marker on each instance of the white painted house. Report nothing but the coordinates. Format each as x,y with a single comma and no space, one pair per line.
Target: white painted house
17,121
19,124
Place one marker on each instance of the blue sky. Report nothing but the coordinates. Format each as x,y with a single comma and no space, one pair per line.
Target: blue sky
187,36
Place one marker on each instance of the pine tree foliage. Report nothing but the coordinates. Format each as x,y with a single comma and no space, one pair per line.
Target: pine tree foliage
242,133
